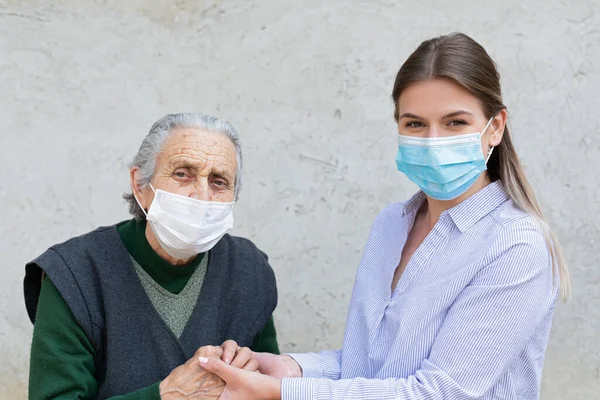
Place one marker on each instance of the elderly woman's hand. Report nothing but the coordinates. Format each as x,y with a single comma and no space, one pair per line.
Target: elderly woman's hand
191,382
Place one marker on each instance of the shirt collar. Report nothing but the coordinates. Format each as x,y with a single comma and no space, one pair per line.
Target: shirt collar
414,203
471,210
468,212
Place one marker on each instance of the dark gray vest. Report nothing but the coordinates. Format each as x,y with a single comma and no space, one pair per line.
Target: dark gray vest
134,347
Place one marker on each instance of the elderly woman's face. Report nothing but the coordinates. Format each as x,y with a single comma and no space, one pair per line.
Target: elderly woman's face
198,164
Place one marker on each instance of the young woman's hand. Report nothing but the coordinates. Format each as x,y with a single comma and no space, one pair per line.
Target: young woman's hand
242,384
277,366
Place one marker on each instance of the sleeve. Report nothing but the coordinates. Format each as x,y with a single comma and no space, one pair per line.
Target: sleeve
485,330
326,364
151,392
62,357
266,340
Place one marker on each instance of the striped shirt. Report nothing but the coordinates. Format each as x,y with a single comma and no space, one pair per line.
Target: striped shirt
469,318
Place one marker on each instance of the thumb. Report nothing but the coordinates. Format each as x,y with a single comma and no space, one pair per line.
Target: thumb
219,368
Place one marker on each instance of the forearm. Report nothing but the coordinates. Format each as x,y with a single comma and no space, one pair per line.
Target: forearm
430,383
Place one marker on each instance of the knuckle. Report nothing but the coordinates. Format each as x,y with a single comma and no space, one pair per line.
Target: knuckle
207,351
201,350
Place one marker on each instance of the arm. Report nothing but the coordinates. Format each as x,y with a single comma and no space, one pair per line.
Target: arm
484,331
266,340
62,357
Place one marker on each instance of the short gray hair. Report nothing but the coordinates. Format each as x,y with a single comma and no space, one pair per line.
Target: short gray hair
153,143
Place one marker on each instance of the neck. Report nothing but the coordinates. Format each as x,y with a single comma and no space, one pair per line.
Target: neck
435,208
161,252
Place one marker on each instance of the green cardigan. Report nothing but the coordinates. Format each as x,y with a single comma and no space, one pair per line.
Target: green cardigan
62,357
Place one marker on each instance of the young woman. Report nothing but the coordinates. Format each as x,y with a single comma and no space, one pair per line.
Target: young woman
455,293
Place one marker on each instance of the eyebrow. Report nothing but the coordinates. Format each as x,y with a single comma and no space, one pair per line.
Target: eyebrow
216,169
176,164
221,173
450,115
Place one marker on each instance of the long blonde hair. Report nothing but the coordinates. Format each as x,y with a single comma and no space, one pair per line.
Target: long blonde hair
460,58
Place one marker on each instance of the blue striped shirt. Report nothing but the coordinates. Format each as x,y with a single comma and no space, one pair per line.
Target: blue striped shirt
469,318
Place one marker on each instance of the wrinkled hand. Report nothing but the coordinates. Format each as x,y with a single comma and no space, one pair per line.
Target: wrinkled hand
191,382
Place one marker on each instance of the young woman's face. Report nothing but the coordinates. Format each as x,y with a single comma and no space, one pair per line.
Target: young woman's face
442,108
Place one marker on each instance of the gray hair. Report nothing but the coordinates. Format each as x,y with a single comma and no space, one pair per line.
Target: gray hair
153,143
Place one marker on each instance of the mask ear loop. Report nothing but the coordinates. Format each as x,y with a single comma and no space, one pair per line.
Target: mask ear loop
140,204
489,154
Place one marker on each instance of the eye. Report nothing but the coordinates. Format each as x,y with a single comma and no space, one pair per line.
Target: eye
220,182
457,122
181,173
413,124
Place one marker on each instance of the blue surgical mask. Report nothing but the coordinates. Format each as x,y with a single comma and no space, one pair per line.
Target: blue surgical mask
443,167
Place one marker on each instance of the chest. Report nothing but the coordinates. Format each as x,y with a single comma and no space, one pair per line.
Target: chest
415,238
428,270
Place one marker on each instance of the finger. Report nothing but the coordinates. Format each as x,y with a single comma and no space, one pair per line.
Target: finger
242,357
251,365
226,372
229,349
209,351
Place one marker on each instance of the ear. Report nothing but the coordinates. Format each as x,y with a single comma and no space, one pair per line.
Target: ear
140,194
497,128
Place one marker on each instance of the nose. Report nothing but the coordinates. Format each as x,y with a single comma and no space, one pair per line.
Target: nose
201,189
433,132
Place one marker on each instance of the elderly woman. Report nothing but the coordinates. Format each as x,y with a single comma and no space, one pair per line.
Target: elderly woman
123,310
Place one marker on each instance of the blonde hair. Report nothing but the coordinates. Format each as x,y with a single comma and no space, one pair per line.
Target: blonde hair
460,58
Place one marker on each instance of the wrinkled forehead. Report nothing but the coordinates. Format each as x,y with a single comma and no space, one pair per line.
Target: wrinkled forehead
197,148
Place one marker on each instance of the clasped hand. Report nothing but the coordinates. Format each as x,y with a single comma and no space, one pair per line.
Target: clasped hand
229,372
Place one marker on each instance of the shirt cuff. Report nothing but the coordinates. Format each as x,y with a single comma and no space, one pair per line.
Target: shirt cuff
310,367
298,388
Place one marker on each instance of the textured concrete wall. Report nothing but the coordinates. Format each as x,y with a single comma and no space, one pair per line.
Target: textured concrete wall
307,84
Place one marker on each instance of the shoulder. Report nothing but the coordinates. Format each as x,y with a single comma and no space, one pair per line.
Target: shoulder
391,215
395,209
104,235
70,267
509,215
392,211
520,251
517,227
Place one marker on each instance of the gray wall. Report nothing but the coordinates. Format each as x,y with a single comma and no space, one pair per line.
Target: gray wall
307,84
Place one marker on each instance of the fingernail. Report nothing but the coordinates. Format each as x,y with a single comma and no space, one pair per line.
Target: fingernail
227,361
203,360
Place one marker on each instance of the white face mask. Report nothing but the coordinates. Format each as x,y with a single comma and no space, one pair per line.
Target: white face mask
185,227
